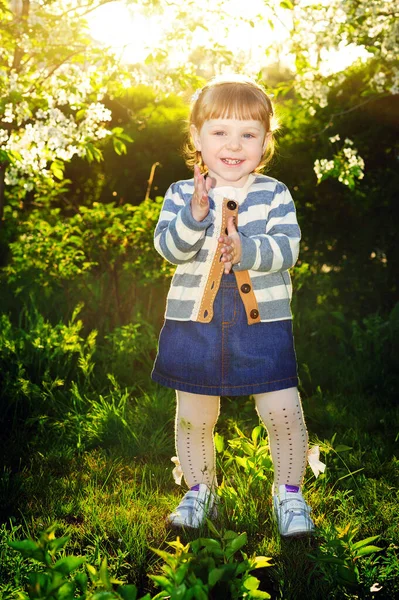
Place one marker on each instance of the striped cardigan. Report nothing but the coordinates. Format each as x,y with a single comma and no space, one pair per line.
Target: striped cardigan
269,234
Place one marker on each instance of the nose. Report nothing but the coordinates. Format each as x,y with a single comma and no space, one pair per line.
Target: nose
234,142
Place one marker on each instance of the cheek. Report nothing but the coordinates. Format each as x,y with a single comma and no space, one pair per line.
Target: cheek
259,151
209,147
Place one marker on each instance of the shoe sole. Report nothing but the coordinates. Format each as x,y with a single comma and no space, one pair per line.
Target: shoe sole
297,534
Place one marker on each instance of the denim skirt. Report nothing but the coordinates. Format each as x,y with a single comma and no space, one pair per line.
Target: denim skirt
226,357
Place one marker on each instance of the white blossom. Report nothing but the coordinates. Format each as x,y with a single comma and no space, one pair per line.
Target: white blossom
3,136
8,116
346,165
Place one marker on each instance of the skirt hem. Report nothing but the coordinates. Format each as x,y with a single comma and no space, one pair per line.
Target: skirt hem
214,390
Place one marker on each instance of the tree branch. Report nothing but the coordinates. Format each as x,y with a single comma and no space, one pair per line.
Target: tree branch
349,110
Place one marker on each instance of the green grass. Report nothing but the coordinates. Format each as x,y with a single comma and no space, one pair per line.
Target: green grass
87,442
113,499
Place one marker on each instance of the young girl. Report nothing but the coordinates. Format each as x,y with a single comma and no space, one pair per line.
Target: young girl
233,234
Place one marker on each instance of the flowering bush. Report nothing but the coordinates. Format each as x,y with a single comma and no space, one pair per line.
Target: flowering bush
346,165
51,95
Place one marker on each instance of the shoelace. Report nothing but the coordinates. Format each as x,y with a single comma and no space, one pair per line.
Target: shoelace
301,508
188,501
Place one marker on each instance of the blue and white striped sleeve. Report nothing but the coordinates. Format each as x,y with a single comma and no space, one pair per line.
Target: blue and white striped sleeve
278,248
178,236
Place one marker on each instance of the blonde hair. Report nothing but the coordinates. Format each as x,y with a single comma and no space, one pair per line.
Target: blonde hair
233,97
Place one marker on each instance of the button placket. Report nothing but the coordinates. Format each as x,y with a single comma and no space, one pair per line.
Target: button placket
217,267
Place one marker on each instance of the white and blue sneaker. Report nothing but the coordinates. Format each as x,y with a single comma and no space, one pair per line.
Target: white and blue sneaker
197,504
292,512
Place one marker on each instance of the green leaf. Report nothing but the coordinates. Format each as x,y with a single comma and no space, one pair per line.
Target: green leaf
30,549
251,583
368,550
230,535
235,545
256,433
104,596
199,592
213,528
57,169
214,576
104,575
162,594
166,556
219,442
68,564
348,574
66,591
243,462
364,542
81,580
211,545
163,582
59,543
342,448
25,546
286,4
119,147
178,593
92,572
259,594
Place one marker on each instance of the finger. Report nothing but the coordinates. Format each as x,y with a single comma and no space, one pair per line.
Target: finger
231,226
200,194
227,267
226,240
228,257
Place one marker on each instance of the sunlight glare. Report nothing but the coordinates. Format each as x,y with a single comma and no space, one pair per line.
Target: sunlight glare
131,37
134,35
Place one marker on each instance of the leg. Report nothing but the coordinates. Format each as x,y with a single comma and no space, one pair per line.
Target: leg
282,415
281,412
196,417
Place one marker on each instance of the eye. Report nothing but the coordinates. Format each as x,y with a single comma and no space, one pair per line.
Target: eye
249,135
218,133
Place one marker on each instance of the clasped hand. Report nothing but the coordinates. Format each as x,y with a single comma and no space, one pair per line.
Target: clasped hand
230,243
231,246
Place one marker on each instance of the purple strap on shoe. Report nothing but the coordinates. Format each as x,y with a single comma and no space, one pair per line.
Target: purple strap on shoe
291,488
195,488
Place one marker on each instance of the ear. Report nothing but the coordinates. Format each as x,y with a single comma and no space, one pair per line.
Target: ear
268,137
195,137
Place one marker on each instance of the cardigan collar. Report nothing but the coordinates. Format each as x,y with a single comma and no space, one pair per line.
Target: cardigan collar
233,193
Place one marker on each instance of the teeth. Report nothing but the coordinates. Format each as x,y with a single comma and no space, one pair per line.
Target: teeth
231,161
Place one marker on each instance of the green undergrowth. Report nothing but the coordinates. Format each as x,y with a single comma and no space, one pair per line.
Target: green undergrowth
112,503
87,442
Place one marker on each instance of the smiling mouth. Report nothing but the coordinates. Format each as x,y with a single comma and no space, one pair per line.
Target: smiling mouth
232,161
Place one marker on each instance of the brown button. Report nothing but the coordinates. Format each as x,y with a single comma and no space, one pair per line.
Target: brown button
254,314
245,288
231,205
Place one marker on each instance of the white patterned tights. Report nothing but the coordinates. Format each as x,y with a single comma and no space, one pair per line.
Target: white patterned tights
281,413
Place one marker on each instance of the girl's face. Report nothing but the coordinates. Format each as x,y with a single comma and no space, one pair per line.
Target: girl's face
230,148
